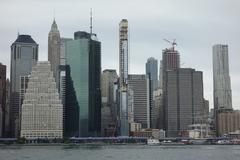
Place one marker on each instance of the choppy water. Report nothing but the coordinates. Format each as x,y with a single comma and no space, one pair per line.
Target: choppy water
120,152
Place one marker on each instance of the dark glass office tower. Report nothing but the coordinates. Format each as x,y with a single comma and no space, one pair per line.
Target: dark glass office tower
83,95
24,55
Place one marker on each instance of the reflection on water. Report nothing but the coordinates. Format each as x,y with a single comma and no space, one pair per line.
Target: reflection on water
119,152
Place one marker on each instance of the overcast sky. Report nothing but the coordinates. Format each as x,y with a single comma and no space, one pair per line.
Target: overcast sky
195,24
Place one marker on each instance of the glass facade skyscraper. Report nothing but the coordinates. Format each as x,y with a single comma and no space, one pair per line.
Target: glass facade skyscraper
24,55
83,95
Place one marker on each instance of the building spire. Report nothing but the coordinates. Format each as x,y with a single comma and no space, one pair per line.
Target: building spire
91,19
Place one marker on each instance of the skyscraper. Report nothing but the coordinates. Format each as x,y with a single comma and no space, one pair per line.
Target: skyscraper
123,78
2,98
42,108
123,52
24,55
184,102
54,43
109,110
62,78
221,78
152,72
83,94
139,84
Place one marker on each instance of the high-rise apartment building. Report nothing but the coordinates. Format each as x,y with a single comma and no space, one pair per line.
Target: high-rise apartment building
2,98
83,89
123,78
184,100
221,78
42,110
139,84
24,55
54,45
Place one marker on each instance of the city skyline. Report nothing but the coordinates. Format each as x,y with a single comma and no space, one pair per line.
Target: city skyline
188,23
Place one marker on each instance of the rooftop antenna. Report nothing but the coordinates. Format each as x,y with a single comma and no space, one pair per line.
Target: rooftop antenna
18,32
53,14
91,19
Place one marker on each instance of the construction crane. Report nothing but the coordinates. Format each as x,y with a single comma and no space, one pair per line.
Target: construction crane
173,43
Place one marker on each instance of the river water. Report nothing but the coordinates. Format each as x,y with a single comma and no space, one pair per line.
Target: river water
120,152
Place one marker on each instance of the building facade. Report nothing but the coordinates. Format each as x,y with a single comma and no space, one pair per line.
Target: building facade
24,55
184,101
42,110
221,78
139,84
152,72
228,121
83,88
54,45
3,69
109,110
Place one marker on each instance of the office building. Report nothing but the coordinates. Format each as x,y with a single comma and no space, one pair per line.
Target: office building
157,110
3,69
42,110
109,110
62,78
54,46
184,100
152,72
83,89
24,55
221,78
7,110
139,84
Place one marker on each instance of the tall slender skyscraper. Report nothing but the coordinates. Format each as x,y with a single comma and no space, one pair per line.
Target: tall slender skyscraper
221,78
2,98
42,108
83,89
152,73
123,78
123,52
54,44
24,55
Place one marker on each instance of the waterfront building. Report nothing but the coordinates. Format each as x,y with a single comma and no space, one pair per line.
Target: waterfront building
24,55
62,78
54,45
152,72
42,110
157,111
83,90
7,110
184,101
228,121
109,110
221,78
123,78
139,84
3,69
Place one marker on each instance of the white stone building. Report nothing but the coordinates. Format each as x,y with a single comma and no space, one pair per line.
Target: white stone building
42,110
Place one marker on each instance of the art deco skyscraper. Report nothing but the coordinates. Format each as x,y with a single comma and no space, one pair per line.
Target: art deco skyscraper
221,78
42,110
24,55
54,44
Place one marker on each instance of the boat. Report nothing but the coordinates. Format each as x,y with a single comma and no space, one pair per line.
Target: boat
152,141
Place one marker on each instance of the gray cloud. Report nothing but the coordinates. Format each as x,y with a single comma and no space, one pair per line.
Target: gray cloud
196,25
